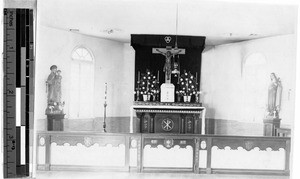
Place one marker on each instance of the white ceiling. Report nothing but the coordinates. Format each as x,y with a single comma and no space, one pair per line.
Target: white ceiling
221,22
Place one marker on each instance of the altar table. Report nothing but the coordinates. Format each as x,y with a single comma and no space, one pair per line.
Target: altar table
169,114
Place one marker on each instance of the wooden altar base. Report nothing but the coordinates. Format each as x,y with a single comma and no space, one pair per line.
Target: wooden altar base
164,117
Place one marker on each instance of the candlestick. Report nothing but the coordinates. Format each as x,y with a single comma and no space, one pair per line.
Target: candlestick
158,75
105,104
138,75
105,91
196,78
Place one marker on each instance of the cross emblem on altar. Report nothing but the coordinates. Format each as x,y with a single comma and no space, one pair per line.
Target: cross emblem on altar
168,53
167,124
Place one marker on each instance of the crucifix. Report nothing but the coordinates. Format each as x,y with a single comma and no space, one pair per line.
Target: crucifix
168,52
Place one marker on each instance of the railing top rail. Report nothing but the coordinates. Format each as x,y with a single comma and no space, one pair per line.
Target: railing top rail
82,133
160,135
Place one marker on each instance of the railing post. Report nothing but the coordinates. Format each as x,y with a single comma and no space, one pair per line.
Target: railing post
208,159
196,155
142,154
127,151
287,156
139,153
47,151
37,153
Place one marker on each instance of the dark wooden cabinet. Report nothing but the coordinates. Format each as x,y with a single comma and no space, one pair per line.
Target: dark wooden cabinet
178,118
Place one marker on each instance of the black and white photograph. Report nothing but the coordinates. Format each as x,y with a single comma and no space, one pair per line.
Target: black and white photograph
150,89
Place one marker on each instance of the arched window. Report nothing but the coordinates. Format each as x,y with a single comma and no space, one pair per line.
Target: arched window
82,83
81,53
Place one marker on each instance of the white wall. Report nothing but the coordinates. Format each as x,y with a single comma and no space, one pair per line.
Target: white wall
113,64
119,75
223,79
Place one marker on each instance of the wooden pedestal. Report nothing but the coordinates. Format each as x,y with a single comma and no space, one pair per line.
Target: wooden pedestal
55,122
270,125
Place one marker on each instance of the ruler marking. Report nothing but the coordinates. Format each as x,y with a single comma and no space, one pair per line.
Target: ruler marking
23,66
18,107
23,106
23,145
27,67
18,47
18,73
9,137
23,27
29,121
18,149
27,41
10,171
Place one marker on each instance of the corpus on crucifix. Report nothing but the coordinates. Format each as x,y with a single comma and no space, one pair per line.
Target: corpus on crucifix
168,53
167,89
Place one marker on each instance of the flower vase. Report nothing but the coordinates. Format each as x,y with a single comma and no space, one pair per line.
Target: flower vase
187,98
146,97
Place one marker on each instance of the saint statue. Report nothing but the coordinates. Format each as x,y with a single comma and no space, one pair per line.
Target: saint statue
58,78
274,96
53,85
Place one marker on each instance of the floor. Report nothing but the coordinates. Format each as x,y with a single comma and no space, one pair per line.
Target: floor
127,175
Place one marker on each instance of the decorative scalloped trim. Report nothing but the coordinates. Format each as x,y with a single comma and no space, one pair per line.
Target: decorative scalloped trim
247,149
92,144
180,146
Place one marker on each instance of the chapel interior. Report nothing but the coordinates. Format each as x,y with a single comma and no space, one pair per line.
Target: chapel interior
104,117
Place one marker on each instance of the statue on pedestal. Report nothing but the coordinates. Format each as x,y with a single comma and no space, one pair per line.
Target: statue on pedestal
51,85
53,89
274,97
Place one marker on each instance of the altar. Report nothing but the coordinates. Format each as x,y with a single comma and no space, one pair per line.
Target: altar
178,118
167,84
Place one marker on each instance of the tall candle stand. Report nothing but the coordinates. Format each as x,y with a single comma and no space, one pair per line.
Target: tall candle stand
105,105
138,91
197,95
138,87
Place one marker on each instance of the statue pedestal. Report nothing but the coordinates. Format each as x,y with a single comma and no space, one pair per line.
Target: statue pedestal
167,92
269,126
55,122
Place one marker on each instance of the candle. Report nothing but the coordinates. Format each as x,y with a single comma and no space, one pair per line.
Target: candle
138,75
196,77
158,75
